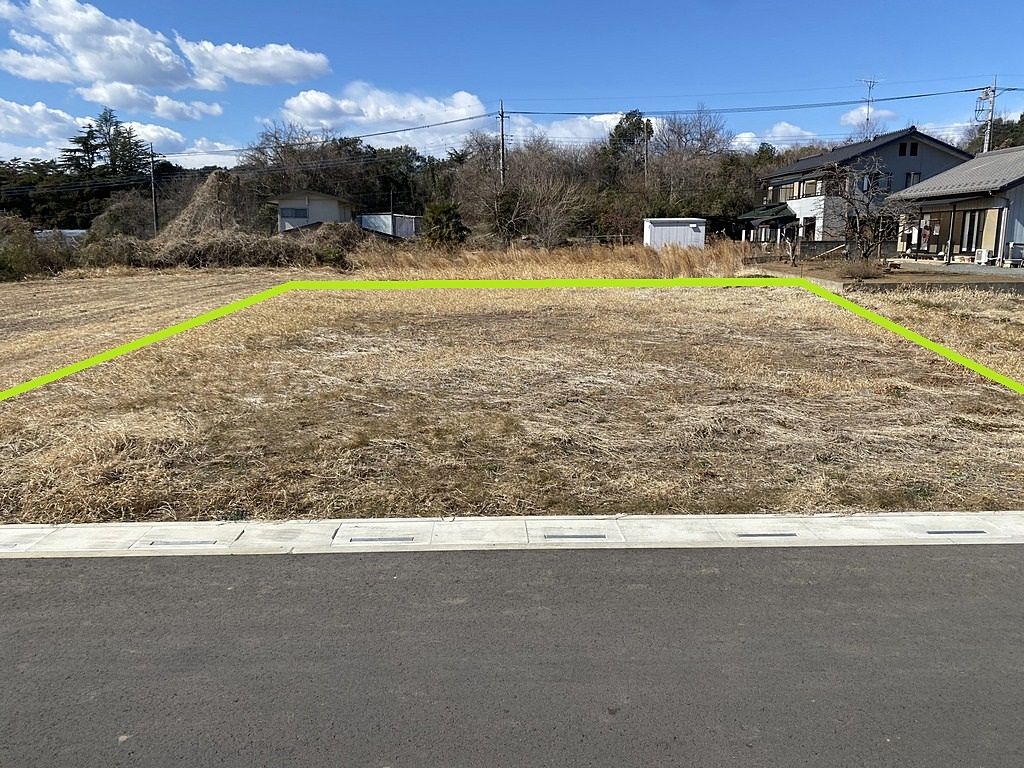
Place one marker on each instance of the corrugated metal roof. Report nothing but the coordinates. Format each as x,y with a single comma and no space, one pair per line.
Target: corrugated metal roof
848,152
990,172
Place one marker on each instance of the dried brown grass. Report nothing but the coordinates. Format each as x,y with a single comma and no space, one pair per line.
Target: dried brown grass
985,325
380,260
484,402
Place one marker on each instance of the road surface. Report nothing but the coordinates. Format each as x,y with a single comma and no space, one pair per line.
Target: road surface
859,656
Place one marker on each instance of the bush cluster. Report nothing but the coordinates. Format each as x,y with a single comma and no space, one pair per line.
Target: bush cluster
23,253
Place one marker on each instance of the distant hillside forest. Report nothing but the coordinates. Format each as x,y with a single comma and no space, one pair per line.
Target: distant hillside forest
684,165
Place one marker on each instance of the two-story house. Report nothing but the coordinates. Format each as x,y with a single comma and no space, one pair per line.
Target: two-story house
797,204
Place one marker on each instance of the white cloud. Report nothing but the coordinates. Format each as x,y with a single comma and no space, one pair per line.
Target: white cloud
203,152
32,66
8,10
269,64
36,120
361,108
49,130
951,133
69,41
162,138
856,118
579,130
77,42
782,134
132,97
48,151
33,43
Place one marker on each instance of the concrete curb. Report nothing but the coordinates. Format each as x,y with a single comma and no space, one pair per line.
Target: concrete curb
507,533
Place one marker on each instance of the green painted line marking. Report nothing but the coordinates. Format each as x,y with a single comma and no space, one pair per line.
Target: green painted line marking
419,285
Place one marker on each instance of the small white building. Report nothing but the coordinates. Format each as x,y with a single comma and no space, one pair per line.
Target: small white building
685,233
303,208
393,224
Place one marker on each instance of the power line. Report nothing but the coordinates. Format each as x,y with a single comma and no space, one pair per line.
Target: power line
314,142
761,108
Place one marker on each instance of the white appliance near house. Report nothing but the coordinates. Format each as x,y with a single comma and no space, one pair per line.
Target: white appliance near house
684,233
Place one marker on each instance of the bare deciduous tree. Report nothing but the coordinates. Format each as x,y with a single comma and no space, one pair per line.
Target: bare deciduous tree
700,133
866,213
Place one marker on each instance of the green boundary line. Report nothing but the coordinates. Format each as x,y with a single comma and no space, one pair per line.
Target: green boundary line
418,285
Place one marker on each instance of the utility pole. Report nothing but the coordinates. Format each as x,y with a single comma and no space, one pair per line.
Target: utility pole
991,113
647,146
501,118
152,189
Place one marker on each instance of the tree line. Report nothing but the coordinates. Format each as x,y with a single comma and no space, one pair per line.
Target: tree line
682,165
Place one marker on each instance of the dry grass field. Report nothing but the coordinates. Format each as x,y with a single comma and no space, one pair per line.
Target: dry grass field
485,402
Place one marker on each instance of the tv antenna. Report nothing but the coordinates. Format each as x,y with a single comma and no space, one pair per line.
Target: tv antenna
869,83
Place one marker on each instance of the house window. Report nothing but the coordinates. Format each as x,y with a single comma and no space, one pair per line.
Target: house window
903,149
973,231
810,188
295,213
913,178
913,149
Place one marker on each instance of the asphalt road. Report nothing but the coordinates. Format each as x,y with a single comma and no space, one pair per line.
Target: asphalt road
767,657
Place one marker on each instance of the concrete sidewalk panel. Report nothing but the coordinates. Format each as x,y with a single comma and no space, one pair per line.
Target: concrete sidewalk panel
304,534
481,531
18,538
186,536
573,531
402,532
670,531
760,531
92,537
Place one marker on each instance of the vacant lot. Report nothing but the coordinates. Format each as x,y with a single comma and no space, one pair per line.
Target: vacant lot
47,324
484,402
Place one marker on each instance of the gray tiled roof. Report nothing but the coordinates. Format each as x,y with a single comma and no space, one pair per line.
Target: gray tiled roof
848,152
990,172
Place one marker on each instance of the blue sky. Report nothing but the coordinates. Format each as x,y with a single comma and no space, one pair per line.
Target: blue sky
201,78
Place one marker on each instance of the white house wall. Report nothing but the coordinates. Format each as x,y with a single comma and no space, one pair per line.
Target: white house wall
810,208
319,210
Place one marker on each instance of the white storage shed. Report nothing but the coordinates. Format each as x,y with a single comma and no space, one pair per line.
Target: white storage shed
686,233
393,224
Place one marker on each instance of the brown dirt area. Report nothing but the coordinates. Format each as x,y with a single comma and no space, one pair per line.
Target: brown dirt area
499,402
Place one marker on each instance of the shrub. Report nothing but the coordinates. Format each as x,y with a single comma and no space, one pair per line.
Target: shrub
234,250
860,269
117,249
22,253
127,213
443,226
332,243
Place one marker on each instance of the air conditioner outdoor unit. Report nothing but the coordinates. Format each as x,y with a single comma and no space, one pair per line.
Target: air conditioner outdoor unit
983,256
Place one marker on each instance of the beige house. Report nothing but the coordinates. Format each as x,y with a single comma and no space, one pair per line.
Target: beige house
974,212
304,208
